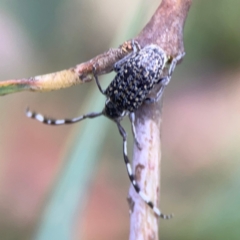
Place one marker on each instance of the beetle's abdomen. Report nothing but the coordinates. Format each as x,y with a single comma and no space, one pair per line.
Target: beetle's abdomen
135,79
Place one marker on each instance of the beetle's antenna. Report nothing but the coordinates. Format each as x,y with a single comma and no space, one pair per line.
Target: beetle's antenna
50,121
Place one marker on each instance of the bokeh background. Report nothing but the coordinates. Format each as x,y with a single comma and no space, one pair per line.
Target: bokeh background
73,177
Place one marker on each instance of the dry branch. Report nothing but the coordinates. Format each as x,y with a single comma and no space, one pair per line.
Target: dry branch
165,29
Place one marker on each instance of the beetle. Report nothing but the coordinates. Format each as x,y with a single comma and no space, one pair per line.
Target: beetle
136,75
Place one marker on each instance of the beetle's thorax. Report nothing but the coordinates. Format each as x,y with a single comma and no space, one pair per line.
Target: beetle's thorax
113,111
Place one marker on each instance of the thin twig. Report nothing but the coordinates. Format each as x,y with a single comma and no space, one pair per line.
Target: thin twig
81,73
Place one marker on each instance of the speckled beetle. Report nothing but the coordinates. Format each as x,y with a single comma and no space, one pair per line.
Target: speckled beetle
136,75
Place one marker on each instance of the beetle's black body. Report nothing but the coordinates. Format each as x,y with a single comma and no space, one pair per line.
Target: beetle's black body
136,75
135,78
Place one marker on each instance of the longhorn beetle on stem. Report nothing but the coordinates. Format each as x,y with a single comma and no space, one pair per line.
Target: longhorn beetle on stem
136,75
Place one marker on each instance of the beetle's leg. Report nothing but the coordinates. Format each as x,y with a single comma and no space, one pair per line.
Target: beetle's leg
136,47
132,120
165,80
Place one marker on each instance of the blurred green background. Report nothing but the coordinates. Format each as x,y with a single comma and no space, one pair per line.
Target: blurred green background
200,131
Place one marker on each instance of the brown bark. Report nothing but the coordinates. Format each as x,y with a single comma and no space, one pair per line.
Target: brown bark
165,29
